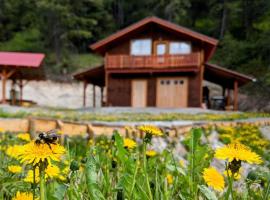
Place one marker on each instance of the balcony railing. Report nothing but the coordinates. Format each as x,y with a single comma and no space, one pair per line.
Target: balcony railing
153,61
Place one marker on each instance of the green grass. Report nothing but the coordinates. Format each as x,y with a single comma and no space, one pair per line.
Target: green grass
73,115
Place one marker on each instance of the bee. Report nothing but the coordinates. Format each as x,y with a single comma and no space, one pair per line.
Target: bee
50,138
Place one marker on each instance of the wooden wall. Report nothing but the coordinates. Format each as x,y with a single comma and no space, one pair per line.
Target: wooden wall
119,89
156,34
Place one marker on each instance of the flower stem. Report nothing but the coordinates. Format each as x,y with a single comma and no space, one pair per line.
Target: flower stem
230,180
42,181
34,181
145,171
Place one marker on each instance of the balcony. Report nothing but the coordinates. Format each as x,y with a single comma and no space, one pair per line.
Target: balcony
151,62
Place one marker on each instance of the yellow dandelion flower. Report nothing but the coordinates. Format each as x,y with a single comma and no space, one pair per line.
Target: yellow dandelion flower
30,175
129,143
169,178
52,171
182,163
151,153
14,151
33,153
237,151
15,169
23,196
24,136
149,129
213,178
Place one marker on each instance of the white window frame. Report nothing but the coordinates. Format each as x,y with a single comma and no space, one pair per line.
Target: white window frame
141,53
180,53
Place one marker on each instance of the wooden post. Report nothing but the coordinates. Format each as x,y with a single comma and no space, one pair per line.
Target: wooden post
101,96
223,91
84,93
4,76
228,97
21,90
235,107
94,96
13,93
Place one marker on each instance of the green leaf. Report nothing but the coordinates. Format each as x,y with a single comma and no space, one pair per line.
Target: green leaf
210,195
92,179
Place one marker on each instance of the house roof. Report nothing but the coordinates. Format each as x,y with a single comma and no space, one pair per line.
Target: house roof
100,46
18,59
93,75
225,77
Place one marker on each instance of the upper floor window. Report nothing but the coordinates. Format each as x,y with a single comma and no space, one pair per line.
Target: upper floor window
180,48
141,47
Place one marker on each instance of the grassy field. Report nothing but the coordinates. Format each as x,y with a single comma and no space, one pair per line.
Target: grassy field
236,166
75,115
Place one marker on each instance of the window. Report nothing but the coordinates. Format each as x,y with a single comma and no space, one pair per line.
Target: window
180,48
141,47
161,49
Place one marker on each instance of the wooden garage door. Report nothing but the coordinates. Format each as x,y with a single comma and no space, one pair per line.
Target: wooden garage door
172,92
139,93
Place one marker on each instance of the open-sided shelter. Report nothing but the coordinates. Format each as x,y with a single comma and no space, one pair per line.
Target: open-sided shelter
20,68
157,63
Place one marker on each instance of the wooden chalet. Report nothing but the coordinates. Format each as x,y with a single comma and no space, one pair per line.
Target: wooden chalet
155,63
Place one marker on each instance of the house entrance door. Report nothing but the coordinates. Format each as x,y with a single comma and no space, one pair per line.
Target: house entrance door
139,93
172,92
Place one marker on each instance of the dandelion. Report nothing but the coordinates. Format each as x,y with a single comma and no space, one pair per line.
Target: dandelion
15,169
213,178
52,171
33,154
15,151
24,136
182,163
30,176
129,143
151,153
169,178
23,196
149,129
237,151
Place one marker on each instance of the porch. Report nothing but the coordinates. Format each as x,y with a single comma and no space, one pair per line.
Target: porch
152,61
229,80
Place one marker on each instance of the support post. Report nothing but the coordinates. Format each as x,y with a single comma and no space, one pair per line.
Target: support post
21,91
4,76
84,93
223,91
235,107
94,96
13,93
101,95
228,97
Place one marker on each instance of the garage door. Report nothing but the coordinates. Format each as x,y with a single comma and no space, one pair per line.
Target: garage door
172,92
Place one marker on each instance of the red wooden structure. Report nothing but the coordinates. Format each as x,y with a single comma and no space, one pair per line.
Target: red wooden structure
20,68
157,63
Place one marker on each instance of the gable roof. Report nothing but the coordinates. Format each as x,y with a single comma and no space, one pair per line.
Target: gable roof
21,59
225,77
100,45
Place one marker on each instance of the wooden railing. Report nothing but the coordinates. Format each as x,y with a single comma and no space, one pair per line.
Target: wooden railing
153,61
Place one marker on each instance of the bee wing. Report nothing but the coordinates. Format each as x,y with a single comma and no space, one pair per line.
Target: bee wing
53,132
